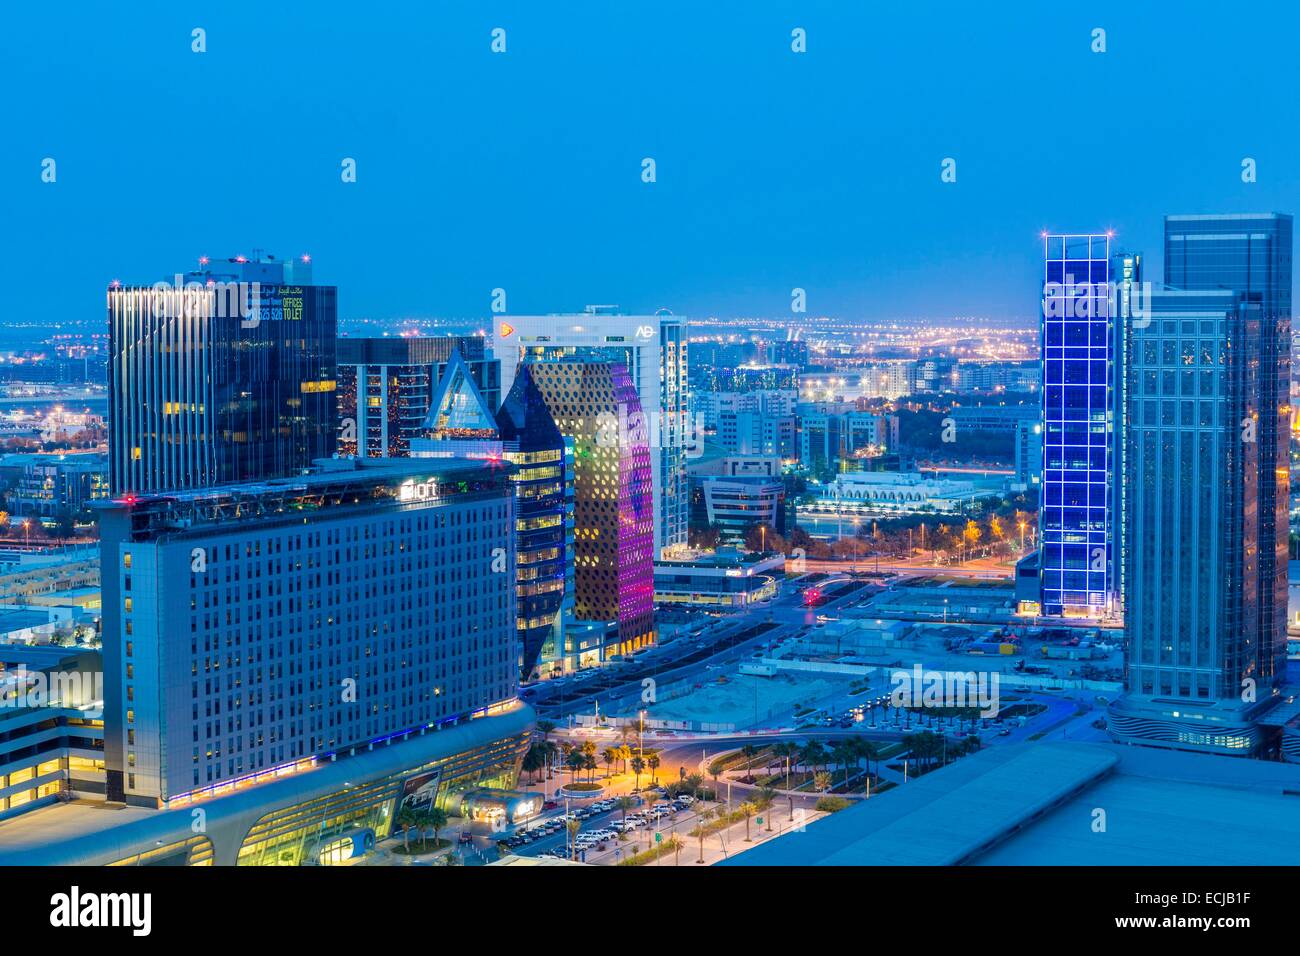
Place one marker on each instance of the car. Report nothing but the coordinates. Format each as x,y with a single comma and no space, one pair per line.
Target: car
686,798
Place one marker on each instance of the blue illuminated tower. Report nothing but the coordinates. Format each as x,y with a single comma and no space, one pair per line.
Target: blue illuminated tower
1077,521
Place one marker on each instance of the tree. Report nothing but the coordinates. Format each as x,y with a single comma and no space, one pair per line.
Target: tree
406,821
748,808
589,751
653,763
786,752
812,754
706,538
572,827
845,754
609,755
970,535
704,816
534,760
436,817
575,761
638,767
870,751
822,781
766,798
715,771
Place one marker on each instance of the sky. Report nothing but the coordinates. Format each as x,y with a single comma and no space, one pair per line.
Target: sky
523,170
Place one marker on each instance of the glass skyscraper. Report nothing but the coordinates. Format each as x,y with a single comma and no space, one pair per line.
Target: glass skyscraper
226,375
1251,254
1206,486
1076,513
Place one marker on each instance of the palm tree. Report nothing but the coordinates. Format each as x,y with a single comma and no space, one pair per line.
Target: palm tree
692,783
766,798
651,799
552,752
572,827
624,754
653,763
545,728
406,821
845,754
534,760
750,752
867,750
638,767
624,805
812,754
609,755
822,781
705,817
715,771
575,761
435,817
786,752
422,825
589,751
748,808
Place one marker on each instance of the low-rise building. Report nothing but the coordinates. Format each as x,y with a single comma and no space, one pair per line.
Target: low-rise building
725,580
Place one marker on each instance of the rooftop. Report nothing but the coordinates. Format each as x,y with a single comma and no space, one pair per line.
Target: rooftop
1036,803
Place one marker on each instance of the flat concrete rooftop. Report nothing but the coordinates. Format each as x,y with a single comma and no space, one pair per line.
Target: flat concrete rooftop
1035,804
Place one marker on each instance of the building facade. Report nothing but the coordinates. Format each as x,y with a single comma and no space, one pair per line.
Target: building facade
596,406
226,374
1076,513
1207,487
653,349
249,628
386,385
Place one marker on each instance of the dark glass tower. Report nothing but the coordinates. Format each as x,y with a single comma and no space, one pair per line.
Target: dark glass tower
224,375
1206,487
536,448
1251,254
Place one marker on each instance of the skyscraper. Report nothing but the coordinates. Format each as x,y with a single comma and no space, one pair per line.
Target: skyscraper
386,385
536,449
1251,254
596,405
1076,509
1206,488
653,349
224,374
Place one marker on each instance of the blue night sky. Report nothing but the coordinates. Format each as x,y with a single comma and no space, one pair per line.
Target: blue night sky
522,170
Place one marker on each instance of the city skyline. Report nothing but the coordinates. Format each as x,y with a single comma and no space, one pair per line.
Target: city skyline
800,435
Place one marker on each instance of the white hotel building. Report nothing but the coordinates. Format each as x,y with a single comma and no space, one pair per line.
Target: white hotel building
653,347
